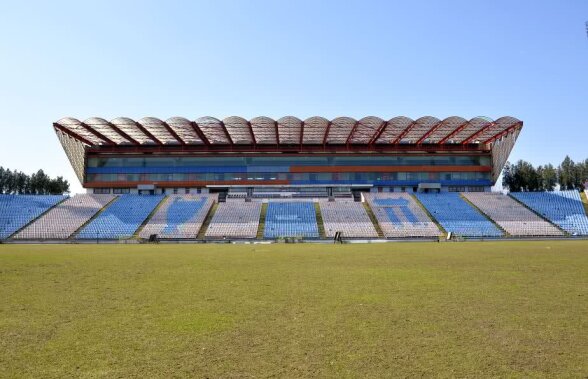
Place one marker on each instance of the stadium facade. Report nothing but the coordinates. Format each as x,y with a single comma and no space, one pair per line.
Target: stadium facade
317,155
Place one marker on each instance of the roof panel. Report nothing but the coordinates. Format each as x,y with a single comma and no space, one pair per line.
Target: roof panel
264,129
497,127
75,126
103,127
314,130
366,129
130,127
213,130
238,129
447,126
157,129
394,129
289,129
340,129
183,128
420,128
474,126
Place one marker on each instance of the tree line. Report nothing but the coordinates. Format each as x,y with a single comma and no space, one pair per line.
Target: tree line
39,183
524,177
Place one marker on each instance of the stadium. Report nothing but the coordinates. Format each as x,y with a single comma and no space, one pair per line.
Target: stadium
293,189
312,180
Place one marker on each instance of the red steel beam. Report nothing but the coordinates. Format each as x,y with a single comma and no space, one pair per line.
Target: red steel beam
277,132
326,133
378,132
270,148
123,134
199,132
404,132
504,132
454,132
73,134
301,133
148,133
350,136
97,133
251,133
474,135
227,133
429,132
173,133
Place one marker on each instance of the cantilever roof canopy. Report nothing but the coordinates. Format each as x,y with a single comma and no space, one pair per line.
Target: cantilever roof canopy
372,131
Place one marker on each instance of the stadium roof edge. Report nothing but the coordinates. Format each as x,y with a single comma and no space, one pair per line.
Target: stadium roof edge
369,131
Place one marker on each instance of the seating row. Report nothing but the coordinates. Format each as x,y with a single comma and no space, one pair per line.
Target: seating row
236,219
563,208
351,219
457,216
399,216
122,218
16,211
513,217
65,218
180,216
290,219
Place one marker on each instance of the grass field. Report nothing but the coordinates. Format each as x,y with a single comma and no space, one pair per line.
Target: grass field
383,310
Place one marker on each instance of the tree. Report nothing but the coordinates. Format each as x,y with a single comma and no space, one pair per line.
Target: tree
566,174
3,178
549,177
507,178
39,183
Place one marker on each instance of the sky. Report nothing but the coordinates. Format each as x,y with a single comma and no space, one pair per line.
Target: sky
527,59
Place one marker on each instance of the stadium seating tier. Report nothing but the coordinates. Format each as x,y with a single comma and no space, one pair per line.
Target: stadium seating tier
351,219
16,211
399,216
121,218
563,208
65,218
291,219
180,216
457,216
513,217
235,219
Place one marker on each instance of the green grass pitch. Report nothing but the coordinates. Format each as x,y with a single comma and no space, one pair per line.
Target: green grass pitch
506,309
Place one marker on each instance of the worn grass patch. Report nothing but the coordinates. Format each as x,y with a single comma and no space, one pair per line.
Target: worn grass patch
424,309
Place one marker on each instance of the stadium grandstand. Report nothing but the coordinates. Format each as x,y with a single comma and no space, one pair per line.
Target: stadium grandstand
151,156
264,179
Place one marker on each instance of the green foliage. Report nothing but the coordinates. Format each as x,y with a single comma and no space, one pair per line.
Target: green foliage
39,183
523,176
466,310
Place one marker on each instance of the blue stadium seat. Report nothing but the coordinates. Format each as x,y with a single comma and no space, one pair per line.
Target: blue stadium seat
457,216
122,218
401,204
17,211
180,211
290,219
563,208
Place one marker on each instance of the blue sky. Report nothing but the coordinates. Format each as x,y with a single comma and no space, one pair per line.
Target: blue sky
527,59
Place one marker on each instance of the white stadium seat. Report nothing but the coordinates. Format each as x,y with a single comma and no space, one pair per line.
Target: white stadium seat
67,217
235,219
